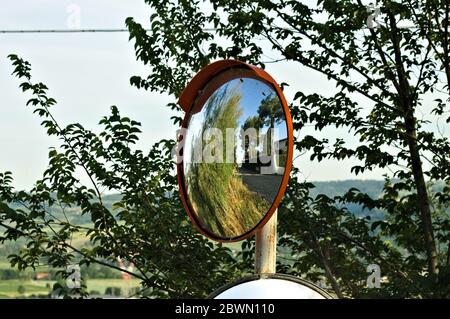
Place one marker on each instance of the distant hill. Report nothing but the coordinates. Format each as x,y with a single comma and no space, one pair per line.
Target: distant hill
329,188
73,214
338,188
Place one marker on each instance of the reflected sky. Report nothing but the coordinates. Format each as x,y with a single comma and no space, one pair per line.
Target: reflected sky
255,92
252,94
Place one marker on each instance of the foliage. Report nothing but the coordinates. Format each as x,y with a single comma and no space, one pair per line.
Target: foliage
396,71
147,227
403,75
21,289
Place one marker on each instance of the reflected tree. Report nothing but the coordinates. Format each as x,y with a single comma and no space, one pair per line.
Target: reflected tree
270,112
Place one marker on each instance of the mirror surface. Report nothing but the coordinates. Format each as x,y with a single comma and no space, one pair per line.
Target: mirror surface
234,156
270,289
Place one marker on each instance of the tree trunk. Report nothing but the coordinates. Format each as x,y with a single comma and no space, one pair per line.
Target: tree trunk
423,202
270,139
407,107
448,255
328,270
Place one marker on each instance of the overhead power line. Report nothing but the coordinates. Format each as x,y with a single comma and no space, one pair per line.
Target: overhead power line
117,30
75,31
66,31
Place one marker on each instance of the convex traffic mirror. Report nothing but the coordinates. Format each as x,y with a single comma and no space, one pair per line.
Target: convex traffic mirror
235,149
270,286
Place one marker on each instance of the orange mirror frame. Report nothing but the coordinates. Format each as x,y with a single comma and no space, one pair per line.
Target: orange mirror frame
189,99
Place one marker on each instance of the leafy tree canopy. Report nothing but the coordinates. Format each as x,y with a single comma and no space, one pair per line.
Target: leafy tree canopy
402,73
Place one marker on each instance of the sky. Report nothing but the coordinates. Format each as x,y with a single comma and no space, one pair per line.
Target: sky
87,73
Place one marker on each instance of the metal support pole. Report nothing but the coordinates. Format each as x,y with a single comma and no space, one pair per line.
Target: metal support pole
266,247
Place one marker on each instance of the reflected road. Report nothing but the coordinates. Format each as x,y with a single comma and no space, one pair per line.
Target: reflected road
266,185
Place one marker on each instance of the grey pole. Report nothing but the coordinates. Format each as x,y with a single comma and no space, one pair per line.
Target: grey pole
266,247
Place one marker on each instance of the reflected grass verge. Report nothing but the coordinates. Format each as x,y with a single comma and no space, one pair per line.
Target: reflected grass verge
227,210
223,203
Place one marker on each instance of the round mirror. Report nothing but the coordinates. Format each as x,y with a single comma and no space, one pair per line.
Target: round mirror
274,286
235,154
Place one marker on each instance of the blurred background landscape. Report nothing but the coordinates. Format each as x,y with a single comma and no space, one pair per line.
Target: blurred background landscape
104,282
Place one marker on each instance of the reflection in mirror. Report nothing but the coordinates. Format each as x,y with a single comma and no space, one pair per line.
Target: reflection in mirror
271,289
234,156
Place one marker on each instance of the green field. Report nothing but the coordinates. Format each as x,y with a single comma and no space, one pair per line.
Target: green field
101,284
9,288
4,264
